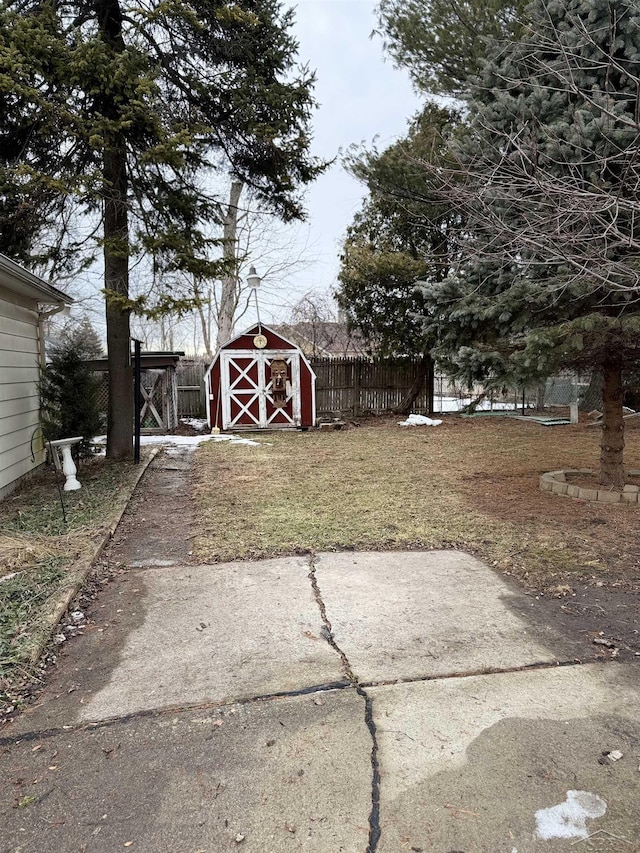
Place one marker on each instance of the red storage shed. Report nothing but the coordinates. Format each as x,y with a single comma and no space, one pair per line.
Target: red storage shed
260,380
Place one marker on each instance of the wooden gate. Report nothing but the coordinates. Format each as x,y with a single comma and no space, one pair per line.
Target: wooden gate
247,398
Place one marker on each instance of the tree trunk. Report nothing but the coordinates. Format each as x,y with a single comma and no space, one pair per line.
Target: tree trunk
205,327
592,397
418,383
229,295
116,251
612,440
116,281
471,407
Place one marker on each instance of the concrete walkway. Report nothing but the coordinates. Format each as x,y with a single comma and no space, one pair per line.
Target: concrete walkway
340,703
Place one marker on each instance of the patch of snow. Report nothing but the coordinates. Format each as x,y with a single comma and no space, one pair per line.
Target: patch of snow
175,444
457,404
419,420
569,819
197,423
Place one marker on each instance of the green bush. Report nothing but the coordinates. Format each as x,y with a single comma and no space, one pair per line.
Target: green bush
69,390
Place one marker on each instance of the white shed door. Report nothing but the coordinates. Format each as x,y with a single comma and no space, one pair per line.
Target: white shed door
247,402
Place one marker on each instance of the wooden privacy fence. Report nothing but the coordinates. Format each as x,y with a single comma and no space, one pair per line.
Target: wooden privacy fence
357,386
191,392
344,386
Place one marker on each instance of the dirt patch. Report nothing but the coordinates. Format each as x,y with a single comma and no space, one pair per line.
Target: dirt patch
591,481
157,527
605,617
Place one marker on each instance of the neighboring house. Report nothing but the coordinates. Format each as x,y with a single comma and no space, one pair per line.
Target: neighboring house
25,300
324,339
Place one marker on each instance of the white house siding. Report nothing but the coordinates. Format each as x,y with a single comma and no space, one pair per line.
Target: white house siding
19,401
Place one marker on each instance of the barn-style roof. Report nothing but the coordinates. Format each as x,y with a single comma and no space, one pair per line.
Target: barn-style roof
244,341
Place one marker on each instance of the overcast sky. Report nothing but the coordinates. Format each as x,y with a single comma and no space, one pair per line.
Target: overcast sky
361,96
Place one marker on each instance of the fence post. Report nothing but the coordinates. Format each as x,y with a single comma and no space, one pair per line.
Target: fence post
204,402
430,386
356,389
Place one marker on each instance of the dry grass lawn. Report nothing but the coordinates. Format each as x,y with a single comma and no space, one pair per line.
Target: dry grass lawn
469,483
41,554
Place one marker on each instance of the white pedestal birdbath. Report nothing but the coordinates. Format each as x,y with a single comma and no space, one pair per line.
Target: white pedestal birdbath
69,469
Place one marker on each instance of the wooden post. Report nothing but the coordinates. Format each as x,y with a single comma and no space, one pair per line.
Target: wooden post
356,388
430,386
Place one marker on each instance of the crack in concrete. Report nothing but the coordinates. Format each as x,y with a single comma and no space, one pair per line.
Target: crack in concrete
487,670
374,814
150,713
362,686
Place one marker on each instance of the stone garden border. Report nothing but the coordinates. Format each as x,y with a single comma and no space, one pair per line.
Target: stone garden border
556,483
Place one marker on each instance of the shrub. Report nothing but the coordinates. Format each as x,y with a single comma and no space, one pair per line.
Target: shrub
68,389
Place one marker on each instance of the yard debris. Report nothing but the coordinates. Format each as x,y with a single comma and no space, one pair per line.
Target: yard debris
457,810
419,420
609,756
603,641
561,591
336,423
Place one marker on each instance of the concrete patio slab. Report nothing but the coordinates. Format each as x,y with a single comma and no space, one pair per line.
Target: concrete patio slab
421,614
123,749
214,633
469,764
283,775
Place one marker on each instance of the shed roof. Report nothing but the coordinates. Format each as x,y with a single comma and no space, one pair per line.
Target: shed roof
19,280
254,330
249,333
148,361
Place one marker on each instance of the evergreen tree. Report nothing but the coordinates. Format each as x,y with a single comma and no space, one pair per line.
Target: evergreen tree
401,234
81,337
441,43
548,181
116,114
68,388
